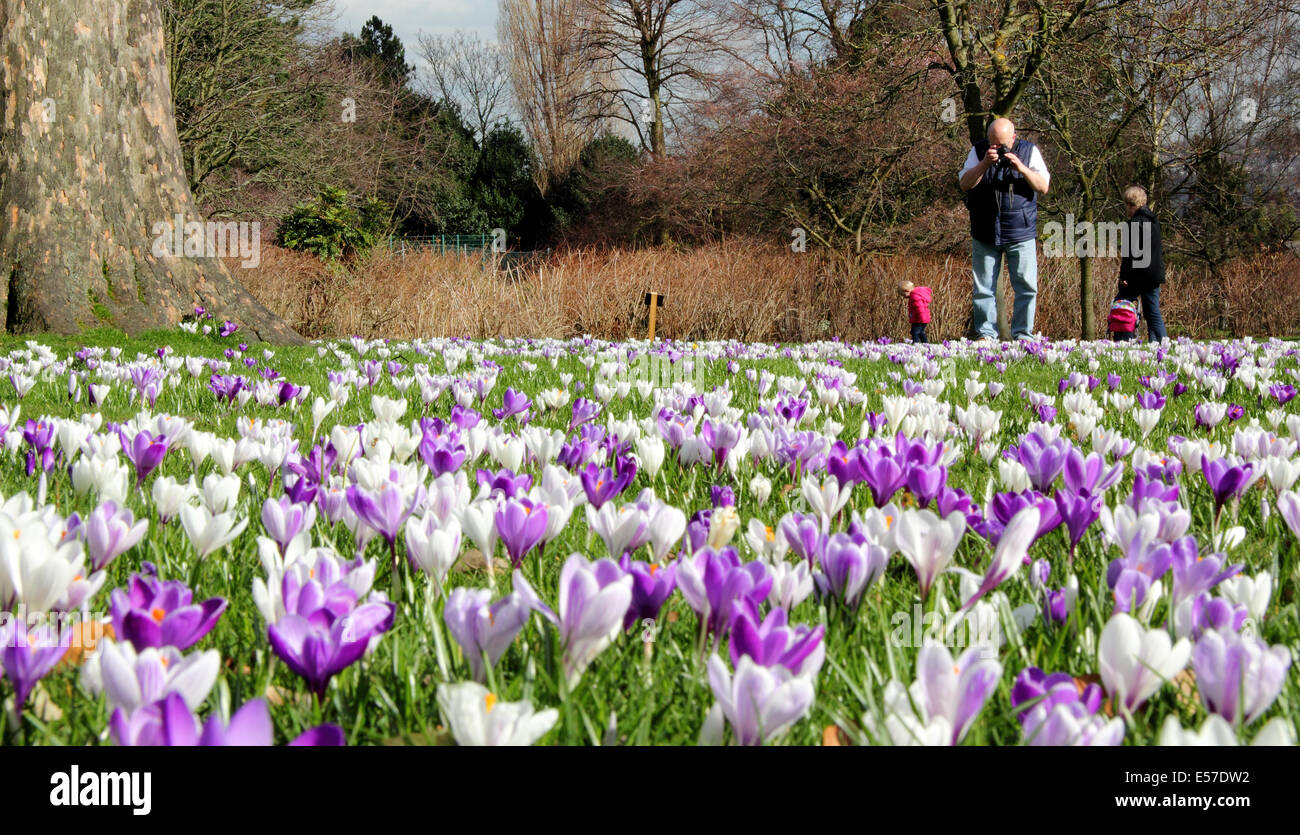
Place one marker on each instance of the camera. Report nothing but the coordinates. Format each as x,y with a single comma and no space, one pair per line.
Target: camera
1002,150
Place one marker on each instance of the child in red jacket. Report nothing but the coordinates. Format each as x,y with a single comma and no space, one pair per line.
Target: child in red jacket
918,309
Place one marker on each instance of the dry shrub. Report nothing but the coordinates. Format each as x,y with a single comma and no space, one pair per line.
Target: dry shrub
733,290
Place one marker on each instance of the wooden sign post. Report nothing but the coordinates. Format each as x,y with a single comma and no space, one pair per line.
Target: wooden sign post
654,301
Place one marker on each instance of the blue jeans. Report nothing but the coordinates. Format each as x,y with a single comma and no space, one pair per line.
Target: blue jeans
1151,312
1022,265
918,334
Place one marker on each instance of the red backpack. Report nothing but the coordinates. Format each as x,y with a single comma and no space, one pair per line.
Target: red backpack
1123,316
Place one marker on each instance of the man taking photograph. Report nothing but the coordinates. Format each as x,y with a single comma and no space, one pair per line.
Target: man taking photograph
1002,179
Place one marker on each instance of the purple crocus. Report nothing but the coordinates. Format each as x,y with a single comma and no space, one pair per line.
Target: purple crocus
722,496
1050,690
848,568
1043,461
322,643
1089,473
483,628
805,537
515,404
440,447
594,598
521,524
40,437
28,655
720,437
161,613
651,586
287,392
584,411
1226,481
1130,578
1058,714
1078,512
145,452
110,531
284,519
1238,677
504,483
385,511
883,475
170,723
798,648
1195,572
1152,489
955,690
1283,393
1006,506
1206,613
713,582
227,387
602,484
925,482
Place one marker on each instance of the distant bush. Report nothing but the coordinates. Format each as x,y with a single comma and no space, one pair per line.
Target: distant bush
333,230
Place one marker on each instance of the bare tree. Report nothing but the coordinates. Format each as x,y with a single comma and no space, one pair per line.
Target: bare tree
665,54
472,73
1228,155
995,50
1119,77
555,75
794,35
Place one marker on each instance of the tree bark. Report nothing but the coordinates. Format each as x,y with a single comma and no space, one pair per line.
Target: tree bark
1087,318
91,166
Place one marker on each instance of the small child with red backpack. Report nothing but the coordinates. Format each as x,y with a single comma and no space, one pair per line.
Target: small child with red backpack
1123,319
918,309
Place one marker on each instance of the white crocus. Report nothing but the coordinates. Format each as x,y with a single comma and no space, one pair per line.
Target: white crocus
210,532
433,545
220,493
1252,592
928,542
37,564
650,452
1217,732
1135,662
132,680
476,717
826,499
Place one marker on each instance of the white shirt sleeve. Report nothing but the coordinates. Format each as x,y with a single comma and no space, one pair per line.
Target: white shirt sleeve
971,162
1038,165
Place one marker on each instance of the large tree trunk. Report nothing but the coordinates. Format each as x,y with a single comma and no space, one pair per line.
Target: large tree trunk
91,165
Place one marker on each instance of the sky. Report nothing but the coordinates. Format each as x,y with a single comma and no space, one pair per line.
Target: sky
411,17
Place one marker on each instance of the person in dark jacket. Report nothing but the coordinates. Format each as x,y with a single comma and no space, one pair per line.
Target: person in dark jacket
1142,263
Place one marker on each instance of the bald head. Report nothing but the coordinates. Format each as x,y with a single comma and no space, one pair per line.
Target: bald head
1002,132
